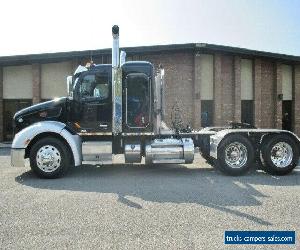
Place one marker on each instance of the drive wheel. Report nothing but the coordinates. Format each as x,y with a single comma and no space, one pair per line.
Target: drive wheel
235,155
49,158
280,155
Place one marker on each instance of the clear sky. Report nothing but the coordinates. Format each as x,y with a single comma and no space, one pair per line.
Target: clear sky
36,26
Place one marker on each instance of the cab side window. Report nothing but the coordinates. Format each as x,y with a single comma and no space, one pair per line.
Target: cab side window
94,87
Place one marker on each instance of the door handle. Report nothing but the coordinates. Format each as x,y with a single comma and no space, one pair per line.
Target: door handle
103,125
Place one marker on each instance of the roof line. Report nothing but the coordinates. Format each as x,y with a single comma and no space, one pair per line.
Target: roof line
201,47
245,51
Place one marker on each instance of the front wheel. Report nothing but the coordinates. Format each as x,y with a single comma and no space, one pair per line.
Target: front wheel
280,154
235,155
49,158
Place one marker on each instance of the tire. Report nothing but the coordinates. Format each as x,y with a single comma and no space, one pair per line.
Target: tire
235,155
286,160
55,152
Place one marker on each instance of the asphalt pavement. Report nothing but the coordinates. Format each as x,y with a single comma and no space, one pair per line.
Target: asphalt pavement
140,207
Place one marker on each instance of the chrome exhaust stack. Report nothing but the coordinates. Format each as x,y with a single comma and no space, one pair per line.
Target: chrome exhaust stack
116,84
115,47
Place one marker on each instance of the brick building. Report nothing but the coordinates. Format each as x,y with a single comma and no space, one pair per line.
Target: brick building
210,84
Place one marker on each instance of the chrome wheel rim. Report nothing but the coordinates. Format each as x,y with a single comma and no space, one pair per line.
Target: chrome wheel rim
281,154
236,155
48,158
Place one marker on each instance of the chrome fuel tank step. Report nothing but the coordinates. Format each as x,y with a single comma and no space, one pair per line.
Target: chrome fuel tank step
96,151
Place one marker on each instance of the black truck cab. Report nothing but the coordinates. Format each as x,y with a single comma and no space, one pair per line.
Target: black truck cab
91,105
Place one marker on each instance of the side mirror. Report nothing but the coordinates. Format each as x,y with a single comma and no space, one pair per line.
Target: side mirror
70,86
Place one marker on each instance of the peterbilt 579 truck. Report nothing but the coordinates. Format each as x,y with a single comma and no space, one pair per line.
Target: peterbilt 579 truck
119,108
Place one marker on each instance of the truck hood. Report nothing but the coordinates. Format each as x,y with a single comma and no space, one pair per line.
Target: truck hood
40,107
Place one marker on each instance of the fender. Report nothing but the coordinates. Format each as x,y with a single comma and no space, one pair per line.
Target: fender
216,139
25,136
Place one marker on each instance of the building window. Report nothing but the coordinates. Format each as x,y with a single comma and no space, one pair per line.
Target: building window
207,77
247,112
206,81
287,102
287,114
247,104
207,107
11,106
53,79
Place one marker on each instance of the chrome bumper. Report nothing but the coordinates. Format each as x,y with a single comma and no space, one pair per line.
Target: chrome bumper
17,157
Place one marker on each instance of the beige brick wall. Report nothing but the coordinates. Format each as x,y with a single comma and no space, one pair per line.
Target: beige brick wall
257,92
278,91
268,93
197,90
266,79
296,95
179,78
237,88
218,94
227,89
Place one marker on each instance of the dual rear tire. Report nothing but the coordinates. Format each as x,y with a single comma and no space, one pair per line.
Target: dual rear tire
280,155
236,155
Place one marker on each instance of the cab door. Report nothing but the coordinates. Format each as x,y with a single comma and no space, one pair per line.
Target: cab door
93,108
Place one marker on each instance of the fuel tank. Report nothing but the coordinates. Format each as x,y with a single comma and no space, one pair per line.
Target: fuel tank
170,150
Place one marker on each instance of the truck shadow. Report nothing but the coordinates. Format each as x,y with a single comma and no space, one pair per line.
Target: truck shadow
167,183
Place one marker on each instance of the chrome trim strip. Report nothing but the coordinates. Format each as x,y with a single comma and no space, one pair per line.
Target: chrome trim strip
95,133
138,133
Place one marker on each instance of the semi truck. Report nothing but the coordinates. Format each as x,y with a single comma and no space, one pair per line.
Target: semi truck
119,108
